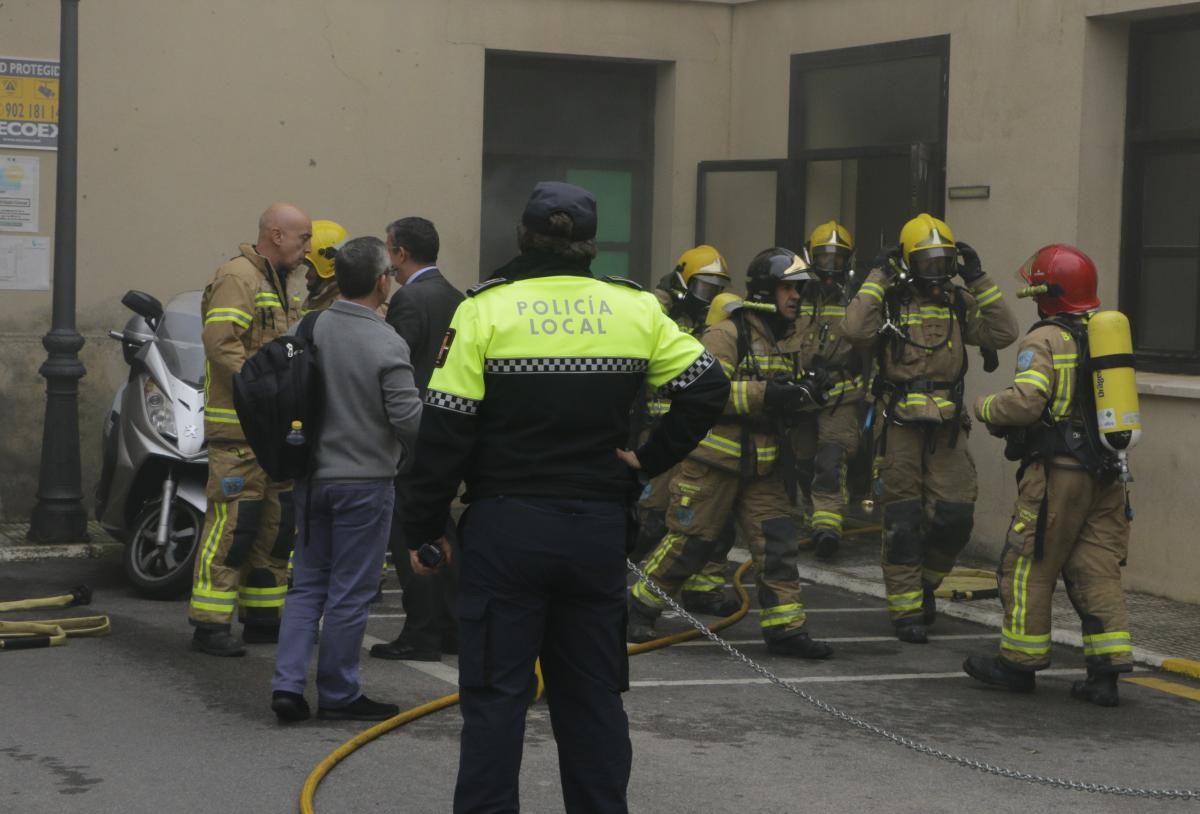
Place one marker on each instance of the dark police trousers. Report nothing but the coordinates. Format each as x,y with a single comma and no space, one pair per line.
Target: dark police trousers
543,577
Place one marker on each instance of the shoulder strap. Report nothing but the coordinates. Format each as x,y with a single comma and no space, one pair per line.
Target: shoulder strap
623,281
306,327
494,282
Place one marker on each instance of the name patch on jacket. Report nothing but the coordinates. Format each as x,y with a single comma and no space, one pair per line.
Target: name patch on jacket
444,350
581,315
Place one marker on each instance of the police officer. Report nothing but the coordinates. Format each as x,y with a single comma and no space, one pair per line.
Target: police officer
829,438
919,324
529,403
327,238
1048,415
733,471
686,295
250,522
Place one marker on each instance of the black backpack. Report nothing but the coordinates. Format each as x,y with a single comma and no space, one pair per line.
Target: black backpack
276,387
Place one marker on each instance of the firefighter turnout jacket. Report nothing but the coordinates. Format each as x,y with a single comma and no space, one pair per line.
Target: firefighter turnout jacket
532,389
244,307
745,440
820,340
922,360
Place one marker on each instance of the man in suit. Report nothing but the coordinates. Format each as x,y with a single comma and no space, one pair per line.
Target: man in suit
420,311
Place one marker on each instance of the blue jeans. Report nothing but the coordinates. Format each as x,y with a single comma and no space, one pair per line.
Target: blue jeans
343,534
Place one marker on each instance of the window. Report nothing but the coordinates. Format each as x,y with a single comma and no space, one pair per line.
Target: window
1160,273
587,122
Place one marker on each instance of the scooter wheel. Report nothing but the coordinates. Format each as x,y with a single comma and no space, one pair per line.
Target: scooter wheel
163,573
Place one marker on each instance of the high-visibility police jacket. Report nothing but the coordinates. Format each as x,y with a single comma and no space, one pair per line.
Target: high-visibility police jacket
932,361
658,401
744,440
820,338
532,390
244,307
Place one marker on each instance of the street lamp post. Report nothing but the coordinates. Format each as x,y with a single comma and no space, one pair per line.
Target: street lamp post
58,516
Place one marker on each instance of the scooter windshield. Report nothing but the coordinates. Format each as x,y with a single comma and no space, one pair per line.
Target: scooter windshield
179,342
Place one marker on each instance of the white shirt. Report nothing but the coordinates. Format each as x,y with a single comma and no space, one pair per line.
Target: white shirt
418,273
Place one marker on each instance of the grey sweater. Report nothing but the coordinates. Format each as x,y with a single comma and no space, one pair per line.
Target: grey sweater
372,408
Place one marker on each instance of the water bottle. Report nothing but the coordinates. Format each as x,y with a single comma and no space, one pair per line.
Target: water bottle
295,436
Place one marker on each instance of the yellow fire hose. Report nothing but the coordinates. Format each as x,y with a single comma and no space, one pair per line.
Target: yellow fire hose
51,632
309,791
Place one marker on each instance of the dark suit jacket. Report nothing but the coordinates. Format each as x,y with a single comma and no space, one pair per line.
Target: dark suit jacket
421,312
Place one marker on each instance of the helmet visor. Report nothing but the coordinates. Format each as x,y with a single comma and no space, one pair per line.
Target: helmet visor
934,264
705,288
829,259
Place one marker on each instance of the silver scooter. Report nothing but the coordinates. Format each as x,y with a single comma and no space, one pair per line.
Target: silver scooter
151,493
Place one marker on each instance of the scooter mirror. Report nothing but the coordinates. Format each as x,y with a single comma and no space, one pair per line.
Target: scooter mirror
144,305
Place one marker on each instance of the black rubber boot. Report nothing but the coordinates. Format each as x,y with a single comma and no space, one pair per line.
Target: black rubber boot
641,624
800,646
710,603
825,545
912,630
928,607
997,672
217,642
289,707
1098,688
260,634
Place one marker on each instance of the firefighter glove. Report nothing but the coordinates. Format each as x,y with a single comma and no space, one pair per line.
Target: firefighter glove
970,269
889,260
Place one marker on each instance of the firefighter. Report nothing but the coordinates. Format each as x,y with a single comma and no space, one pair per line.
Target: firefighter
529,399
829,438
686,295
1067,479
919,323
250,522
327,238
733,471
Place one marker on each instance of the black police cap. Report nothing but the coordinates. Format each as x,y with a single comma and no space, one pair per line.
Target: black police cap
555,196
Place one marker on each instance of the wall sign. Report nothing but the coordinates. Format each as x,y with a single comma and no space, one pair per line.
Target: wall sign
28,103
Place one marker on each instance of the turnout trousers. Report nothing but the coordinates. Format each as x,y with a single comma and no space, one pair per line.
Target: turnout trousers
249,528
703,498
828,440
928,490
652,520
1086,540
543,577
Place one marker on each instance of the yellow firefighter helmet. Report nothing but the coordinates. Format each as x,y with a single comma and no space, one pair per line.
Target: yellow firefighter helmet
327,237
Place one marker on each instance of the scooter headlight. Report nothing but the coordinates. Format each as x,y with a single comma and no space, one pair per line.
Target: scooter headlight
160,411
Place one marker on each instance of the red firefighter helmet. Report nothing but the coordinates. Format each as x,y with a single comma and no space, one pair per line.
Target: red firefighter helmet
1068,277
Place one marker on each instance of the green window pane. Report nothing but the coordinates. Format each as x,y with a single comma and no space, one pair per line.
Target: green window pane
614,201
611,264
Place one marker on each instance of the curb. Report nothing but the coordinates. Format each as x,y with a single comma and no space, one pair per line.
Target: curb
68,551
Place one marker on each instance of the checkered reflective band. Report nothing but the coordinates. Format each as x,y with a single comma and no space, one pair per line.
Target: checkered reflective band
694,371
447,401
578,364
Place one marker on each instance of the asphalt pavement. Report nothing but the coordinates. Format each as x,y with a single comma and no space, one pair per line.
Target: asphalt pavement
136,722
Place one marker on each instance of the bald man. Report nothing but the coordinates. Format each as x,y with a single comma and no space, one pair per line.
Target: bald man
250,522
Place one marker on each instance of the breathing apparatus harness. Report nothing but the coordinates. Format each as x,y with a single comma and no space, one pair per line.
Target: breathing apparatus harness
1075,435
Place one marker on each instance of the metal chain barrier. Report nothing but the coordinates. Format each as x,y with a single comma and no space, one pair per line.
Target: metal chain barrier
900,740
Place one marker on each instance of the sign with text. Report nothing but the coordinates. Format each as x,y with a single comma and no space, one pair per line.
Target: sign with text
28,103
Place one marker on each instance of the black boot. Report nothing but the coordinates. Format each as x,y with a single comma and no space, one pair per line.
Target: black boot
217,642
710,603
800,646
1099,688
997,672
289,707
260,634
912,630
826,545
641,623
928,607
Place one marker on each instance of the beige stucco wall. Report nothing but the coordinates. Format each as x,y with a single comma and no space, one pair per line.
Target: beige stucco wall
1037,111
195,116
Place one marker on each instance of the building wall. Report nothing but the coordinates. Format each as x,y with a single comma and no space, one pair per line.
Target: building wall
1037,111
195,117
